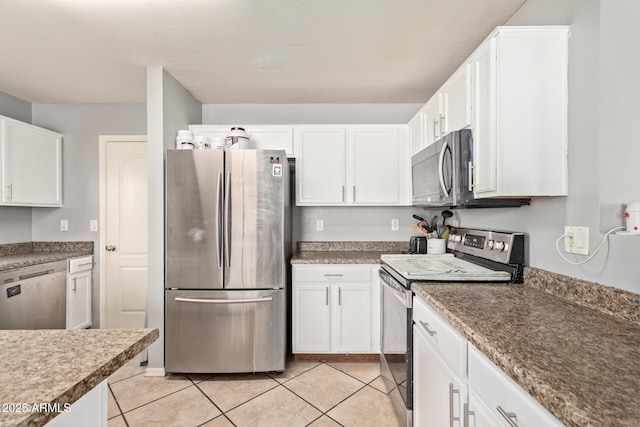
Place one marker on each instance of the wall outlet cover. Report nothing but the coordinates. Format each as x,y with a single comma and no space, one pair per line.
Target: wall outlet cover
395,225
577,240
64,225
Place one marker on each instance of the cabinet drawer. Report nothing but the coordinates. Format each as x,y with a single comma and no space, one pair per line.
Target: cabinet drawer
80,264
450,345
331,273
503,397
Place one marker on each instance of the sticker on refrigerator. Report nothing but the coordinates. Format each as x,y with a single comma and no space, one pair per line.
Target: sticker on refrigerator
277,170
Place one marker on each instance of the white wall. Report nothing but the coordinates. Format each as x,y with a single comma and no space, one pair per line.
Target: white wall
170,108
15,222
81,125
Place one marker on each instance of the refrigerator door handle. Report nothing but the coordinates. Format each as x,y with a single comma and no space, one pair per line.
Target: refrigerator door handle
222,301
219,219
227,221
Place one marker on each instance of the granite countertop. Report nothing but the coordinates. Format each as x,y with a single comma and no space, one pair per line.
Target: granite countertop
346,252
582,364
58,366
19,255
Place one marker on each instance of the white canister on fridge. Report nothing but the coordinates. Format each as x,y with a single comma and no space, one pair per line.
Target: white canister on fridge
184,140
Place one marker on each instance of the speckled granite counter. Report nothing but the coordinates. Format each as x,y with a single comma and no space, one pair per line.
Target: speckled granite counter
58,366
582,364
346,252
18,255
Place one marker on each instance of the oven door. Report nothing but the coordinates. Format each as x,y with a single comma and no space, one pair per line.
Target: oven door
396,361
432,174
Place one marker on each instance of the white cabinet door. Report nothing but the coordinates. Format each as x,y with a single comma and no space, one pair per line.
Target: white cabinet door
352,319
311,318
321,167
438,395
31,165
456,101
432,119
483,99
79,300
375,167
519,87
417,133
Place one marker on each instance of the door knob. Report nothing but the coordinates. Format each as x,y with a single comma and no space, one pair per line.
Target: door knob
110,248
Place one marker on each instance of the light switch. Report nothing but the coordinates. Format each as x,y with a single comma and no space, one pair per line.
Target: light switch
319,225
93,225
64,225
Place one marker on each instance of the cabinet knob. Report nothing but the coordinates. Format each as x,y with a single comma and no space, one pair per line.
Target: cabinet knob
111,248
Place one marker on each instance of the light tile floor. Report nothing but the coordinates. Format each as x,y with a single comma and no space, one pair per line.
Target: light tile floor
308,393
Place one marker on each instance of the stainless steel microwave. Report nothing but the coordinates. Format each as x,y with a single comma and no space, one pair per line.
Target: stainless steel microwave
441,175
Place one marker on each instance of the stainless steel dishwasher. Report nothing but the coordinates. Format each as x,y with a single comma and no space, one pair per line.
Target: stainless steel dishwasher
34,297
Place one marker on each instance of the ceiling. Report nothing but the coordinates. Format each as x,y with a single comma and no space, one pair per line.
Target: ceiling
240,51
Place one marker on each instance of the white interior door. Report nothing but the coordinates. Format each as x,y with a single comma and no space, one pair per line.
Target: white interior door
124,238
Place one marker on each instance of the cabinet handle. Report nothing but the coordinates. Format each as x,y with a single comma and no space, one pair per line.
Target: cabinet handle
470,173
339,296
426,328
333,275
452,391
343,193
467,414
74,284
326,293
354,193
9,191
435,129
510,417
441,123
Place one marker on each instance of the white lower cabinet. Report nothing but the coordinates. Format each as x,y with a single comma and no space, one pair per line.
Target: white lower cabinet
438,394
79,281
454,384
333,309
90,410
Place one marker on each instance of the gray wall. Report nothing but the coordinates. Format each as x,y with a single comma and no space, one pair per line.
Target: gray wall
170,107
15,222
603,143
264,114
81,125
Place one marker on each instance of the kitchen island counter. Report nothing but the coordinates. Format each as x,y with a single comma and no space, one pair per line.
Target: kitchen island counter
581,364
51,368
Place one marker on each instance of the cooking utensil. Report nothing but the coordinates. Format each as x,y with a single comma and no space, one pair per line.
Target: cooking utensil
446,215
423,222
434,223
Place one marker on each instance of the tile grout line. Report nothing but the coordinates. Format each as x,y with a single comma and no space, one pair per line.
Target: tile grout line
117,405
237,406
154,400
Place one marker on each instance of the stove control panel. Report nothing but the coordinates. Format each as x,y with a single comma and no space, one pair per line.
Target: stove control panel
503,247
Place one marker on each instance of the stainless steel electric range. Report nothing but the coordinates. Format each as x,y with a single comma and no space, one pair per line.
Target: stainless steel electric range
472,256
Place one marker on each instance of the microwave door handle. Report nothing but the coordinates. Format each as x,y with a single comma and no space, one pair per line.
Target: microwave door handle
443,150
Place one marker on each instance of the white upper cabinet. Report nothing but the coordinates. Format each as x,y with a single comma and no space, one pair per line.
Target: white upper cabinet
455,101
365,165
30,165
321,166
449,108
417,133
519,104
375,166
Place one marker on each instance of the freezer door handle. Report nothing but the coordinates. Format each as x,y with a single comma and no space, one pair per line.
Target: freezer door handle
222,301
219,219
227,221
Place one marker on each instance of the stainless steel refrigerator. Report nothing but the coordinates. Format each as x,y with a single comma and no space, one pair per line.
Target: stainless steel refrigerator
228,244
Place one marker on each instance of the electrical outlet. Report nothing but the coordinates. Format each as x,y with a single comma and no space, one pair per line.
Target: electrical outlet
395,225
93,225
577,240
319,225
64,225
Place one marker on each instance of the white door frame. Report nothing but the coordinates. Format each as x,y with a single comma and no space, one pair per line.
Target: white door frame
102,253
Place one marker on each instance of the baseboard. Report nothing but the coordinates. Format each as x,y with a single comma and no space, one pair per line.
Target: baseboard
339,357
154,372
